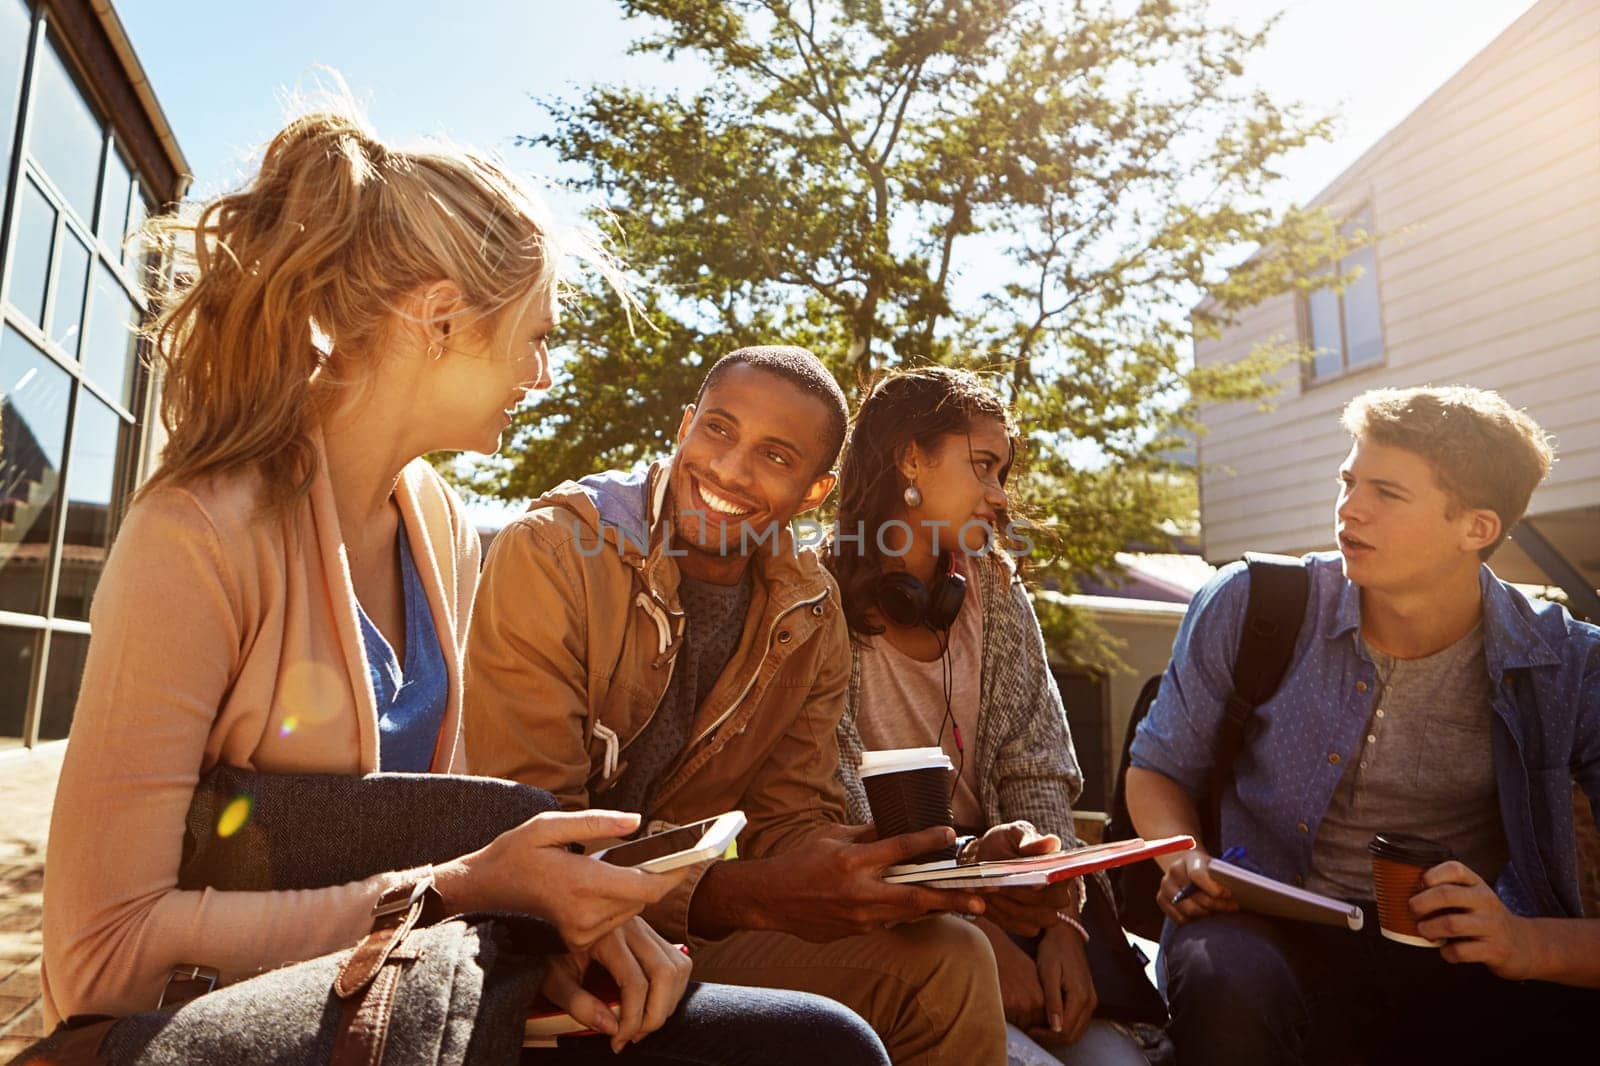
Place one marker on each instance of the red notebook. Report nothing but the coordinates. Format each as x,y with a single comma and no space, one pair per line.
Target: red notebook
1034,869
546,1021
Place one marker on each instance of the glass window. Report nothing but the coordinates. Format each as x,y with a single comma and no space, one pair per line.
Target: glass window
137,213
18,649
111,344
102,447
64,134
33,430
63,675
72,281
1345,329
1325,337
15,22
113,219
30,252
1362,334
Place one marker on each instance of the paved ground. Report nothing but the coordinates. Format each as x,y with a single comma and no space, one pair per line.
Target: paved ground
27,787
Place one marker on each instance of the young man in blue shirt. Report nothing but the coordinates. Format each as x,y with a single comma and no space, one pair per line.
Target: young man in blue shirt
1425,696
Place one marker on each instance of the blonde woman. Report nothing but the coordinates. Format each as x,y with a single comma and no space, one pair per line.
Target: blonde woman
290,592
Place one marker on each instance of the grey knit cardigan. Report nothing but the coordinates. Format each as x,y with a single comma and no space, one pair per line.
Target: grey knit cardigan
1024,765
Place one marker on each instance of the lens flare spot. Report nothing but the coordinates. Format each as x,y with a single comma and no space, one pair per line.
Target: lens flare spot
290,724
234,816
316,693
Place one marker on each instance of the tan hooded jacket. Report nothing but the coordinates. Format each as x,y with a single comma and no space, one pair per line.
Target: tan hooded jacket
573,641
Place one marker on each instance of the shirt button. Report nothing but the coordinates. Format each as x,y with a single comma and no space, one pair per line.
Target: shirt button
1371,739
1361,686
1333,757
1380,712
1303,827
785,637
816,609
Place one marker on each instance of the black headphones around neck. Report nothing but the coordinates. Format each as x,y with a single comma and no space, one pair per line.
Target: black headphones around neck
905,601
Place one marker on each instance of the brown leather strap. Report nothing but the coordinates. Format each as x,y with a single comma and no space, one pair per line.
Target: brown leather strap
394,915
364,1022
368,979
75,1042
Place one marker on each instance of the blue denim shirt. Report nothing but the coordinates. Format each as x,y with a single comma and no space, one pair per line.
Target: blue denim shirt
1544,669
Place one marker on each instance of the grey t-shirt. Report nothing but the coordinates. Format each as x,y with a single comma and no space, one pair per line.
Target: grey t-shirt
714,618
1423,766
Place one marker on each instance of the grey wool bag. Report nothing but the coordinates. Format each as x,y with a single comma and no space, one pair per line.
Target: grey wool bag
452,994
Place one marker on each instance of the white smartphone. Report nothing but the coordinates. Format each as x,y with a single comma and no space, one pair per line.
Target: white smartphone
672,848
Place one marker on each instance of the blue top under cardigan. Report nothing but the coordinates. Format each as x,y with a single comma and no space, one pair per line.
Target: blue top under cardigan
410,701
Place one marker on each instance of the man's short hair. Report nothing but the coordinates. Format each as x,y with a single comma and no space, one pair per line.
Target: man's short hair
801,369
1484,452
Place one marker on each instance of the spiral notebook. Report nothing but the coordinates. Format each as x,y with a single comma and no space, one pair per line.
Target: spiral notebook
1264,895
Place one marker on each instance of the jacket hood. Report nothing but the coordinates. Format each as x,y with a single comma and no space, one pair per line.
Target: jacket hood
627,509
623,506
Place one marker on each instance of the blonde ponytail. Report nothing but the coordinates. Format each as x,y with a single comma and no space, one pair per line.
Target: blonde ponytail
285,286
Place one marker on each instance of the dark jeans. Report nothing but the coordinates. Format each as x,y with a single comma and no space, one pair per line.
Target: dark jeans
1244,988
727,1025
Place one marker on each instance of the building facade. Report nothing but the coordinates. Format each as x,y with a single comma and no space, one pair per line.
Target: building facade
1487,273
85,156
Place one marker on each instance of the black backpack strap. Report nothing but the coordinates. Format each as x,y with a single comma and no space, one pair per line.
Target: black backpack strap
1135,884
1119,798
1279,588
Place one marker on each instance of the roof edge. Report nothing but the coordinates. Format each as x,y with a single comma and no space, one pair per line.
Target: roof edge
139,82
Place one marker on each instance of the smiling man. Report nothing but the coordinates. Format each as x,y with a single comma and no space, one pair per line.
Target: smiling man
1426,697
657,642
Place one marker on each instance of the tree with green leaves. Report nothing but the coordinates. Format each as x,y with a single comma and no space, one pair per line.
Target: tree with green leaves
1039,189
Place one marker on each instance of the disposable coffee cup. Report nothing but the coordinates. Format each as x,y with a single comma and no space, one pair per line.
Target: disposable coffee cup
908,790
1398,862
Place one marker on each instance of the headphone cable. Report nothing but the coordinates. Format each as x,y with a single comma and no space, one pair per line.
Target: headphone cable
947,672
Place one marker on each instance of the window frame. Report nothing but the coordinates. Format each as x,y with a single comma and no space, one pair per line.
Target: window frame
127,274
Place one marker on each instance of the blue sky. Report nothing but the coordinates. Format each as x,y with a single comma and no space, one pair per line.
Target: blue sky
220,70
469,69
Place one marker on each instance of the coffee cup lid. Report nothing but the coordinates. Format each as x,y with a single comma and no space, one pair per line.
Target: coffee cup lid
1408,848
894,760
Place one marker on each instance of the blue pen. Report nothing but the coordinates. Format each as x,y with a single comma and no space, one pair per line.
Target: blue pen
1233,854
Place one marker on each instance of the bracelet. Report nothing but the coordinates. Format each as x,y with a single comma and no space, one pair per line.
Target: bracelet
1067,919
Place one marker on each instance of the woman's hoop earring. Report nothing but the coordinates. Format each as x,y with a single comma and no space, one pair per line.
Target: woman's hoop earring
912,496
436,350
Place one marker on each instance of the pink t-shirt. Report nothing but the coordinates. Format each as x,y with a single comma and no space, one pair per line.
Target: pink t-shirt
902,700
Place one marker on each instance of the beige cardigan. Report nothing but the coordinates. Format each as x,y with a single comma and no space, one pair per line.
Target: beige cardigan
222,635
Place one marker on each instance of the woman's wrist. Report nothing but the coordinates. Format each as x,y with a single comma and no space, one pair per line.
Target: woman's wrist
454,882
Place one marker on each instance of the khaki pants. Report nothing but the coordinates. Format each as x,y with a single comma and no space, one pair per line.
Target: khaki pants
927,988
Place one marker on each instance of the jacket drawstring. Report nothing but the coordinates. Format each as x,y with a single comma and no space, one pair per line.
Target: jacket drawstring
608,737
666,641
659,617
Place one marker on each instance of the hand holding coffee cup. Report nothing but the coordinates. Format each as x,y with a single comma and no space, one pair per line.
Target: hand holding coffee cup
1460,907
1399,861
908,790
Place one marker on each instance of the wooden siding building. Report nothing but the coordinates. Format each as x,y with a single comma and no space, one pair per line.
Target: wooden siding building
1489,275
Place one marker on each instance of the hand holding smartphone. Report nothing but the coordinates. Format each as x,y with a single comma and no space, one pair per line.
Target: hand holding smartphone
675,848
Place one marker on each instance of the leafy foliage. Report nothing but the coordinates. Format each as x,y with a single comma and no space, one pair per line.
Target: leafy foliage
1039,189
